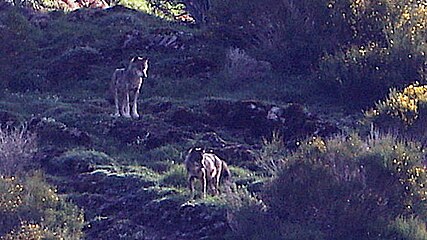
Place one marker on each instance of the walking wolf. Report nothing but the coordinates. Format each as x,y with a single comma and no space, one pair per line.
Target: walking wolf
126,84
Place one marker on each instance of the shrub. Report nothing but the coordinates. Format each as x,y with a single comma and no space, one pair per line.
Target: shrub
240,66
272,155
404,105
18,45
407,228
17,149
72,65
78,161
246,210
31,209
403,111
362,74
26,231
348,187
293,35
387,50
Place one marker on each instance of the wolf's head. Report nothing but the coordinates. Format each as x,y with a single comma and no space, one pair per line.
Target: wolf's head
140,64
194,154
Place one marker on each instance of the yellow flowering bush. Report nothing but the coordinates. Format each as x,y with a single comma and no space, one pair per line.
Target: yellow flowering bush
10,194
404,104
31,209
26,231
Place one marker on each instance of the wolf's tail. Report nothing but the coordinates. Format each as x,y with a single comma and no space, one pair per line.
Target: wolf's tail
227,177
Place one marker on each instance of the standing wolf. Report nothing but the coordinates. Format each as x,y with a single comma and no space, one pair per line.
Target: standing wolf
209,169
126,84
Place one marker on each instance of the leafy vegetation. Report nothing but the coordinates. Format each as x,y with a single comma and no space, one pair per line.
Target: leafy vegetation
346,55
31,209
344,188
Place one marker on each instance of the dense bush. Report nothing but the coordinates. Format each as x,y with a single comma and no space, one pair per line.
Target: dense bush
17,149
246,210
242,67
78,161
364,47
402,111
277,31
407,228
362,74
349,188
31,209
18,46
388,50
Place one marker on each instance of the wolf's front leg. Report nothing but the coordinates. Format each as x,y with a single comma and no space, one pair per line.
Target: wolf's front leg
134,96
116,103
204,182
125,109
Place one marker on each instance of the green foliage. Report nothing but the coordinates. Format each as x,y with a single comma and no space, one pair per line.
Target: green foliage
350,188
168,9
388,50
29,207
407,229
176,176
403,111
246,210
272,154
78,161
72,66
167,152
141,5
276,30
18,46
362,74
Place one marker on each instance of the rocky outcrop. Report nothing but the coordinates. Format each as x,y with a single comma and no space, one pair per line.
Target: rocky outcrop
253,120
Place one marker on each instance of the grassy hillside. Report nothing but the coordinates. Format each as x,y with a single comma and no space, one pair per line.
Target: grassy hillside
298,97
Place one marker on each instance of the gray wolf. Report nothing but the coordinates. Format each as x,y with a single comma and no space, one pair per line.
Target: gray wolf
208,168
126,84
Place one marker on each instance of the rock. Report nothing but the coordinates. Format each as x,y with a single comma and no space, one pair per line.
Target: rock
81,4
254,120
